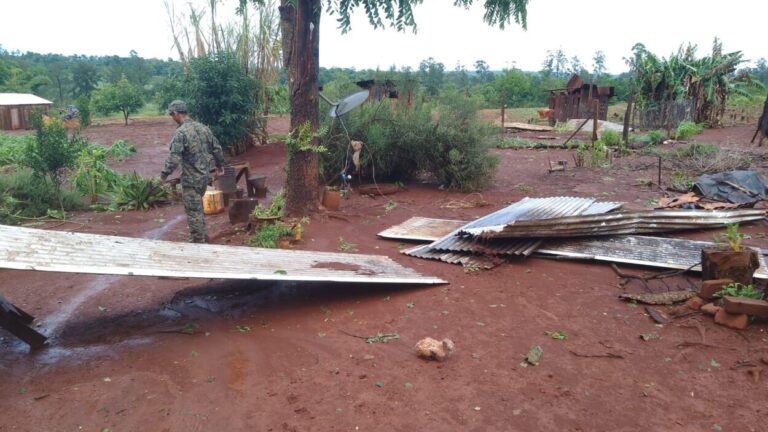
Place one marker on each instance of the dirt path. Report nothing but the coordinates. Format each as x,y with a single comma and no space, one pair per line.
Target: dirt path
134,353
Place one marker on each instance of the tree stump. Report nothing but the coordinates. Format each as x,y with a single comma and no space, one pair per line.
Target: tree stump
738,266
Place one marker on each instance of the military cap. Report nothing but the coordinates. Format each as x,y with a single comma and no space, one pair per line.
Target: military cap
178,106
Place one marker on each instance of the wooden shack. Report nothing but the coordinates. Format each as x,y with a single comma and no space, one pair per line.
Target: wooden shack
575,101
16,107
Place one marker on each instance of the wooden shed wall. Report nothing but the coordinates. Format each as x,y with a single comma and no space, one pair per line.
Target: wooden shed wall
14,117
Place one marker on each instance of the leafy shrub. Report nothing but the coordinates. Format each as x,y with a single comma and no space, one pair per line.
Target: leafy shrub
611,138
83,105
120,150
268,235
656,136
562,127
93,176
13,148
694,150
598,154
219,95
275,208
134,192
687,129
24,195
52,152
402,143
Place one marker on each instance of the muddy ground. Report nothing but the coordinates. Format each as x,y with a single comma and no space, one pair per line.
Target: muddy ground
152,354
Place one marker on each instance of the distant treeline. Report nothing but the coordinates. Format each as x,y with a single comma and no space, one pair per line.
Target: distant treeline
63,79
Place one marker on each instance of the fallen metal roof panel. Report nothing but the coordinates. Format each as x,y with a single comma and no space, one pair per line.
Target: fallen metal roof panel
619,223
464,258
59,251
641,250
422,229
525,209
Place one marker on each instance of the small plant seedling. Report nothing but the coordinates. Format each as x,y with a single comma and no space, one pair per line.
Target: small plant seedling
243,329
345,246
557,334
389,206
734,237
740,290
471,269
522,187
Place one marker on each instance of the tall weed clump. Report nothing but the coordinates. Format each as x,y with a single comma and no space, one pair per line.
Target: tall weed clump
450,144
24,196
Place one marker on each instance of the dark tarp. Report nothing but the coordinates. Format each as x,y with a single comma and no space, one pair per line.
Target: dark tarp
738,187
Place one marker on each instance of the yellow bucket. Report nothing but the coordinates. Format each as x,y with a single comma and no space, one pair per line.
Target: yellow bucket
213,202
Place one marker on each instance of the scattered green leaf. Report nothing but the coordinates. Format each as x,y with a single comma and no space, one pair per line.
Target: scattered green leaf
557,334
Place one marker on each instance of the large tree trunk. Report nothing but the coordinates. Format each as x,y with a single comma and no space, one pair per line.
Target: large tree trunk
300,25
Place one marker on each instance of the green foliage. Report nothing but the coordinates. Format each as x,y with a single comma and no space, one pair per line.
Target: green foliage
734,237
740,290
24,195
611,138
275,208
656,136
598,155
303,139
92,176
401,143
269,234
121,97
13,148
83,105
680,181
219,95
52,152
515,143
133,192
694,150
562,127
687,129
120,150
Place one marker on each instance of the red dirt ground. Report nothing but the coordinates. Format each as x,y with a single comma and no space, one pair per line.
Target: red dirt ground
280,357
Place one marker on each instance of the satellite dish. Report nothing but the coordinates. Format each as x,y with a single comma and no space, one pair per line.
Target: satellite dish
347,104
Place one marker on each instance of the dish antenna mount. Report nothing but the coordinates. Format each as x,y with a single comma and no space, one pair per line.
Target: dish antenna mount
347,104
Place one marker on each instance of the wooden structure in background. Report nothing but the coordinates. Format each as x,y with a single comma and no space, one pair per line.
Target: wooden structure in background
16,107
575,101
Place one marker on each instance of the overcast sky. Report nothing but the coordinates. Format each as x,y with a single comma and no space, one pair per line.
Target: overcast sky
446,33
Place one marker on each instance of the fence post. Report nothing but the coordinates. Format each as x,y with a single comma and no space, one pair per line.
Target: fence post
595,118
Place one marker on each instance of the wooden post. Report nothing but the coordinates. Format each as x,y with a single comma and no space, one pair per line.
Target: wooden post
595,118
17,322
502,114
627,114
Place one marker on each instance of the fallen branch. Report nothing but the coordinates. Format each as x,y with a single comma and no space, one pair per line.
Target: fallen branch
606,355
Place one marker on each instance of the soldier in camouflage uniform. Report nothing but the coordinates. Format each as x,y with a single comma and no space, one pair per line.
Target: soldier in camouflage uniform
192,146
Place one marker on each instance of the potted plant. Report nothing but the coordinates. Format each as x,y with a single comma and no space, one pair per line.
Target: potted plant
331,198
261,214
730,260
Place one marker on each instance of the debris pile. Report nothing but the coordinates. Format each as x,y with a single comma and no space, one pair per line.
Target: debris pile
570,227
732,311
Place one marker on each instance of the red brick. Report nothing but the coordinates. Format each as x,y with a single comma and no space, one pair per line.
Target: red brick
744,305
695,302
711,287
710,308
734,321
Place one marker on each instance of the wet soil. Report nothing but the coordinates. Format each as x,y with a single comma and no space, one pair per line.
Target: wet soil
159,354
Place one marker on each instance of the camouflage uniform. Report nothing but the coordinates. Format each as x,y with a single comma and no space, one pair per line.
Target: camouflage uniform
192,146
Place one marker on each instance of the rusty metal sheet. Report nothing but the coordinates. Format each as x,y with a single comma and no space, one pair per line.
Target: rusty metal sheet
640,250
525,209
466,259
618,223
422,229
58,251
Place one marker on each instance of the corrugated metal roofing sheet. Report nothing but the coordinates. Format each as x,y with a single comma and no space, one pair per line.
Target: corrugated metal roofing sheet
641,250
44,250
654,221
525,209
22,99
